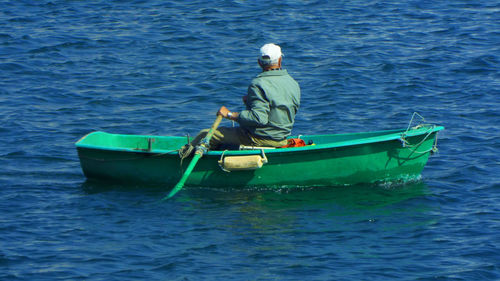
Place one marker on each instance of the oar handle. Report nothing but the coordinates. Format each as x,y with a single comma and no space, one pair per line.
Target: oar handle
214,127
204,144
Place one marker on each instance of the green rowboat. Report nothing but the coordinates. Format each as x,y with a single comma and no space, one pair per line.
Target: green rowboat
331,160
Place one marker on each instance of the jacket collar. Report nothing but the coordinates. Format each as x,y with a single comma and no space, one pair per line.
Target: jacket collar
278,72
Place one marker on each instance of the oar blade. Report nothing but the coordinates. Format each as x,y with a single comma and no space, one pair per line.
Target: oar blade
185,176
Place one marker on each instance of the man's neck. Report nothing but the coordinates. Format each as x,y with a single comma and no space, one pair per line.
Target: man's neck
271,68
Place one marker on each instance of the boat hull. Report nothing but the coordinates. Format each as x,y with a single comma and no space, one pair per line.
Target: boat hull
351,159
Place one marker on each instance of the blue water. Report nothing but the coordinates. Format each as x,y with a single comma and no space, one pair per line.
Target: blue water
164,67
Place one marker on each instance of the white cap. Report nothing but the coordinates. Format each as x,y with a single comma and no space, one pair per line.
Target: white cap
272,51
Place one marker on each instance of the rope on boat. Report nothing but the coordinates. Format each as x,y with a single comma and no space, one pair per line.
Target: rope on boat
185,152
430,130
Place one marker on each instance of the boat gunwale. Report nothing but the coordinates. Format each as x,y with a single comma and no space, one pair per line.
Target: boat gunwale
382,136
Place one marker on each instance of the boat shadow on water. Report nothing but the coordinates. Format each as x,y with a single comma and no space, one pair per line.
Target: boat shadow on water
360,196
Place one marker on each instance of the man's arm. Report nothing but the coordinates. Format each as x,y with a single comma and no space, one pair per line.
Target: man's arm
256,115
257,112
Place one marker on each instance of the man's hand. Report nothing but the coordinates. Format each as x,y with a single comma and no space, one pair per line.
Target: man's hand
224,112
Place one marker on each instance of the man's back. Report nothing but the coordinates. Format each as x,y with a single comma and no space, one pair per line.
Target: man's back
272,102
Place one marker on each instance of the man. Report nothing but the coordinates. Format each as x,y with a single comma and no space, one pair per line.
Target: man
272,101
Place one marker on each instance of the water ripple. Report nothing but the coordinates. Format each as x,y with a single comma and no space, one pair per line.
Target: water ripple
156,67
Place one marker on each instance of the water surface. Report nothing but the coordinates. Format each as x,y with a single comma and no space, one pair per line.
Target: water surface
153,67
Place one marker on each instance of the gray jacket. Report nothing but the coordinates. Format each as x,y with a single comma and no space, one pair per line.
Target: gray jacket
273,100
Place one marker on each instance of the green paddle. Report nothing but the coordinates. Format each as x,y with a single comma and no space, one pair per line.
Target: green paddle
200,149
